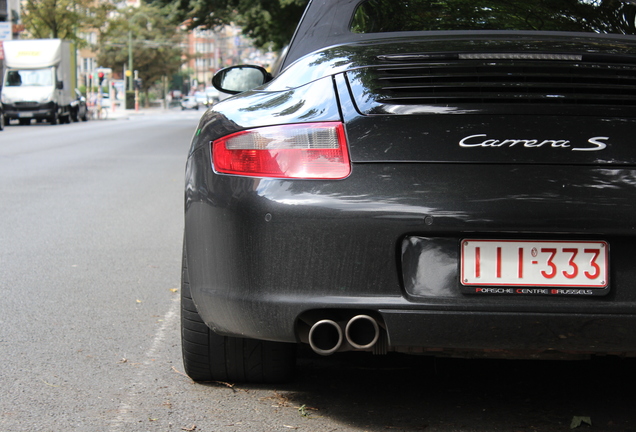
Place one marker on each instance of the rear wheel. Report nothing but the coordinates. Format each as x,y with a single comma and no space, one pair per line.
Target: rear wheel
208,356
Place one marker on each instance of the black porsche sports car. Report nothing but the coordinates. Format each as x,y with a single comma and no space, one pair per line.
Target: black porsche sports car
435,177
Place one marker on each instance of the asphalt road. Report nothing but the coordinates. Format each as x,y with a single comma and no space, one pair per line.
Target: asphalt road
90,251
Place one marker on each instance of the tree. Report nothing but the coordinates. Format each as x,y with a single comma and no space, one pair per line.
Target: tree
603,16
63,19
269,23
154,39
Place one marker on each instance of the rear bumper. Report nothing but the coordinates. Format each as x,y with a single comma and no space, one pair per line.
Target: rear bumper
431,328
264,255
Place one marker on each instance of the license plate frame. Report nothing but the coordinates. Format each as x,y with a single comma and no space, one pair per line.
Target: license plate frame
26,114
504,266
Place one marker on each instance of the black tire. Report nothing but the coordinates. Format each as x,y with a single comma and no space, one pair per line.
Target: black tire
1,121
54,119
211,357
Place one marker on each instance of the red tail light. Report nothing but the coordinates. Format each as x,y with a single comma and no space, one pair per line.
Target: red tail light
304,150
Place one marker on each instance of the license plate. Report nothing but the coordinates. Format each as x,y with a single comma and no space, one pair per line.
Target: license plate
25,114
530,263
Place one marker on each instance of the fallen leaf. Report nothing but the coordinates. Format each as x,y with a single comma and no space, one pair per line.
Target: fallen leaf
179,372
302,410
174,290
279,399
189,429
579,420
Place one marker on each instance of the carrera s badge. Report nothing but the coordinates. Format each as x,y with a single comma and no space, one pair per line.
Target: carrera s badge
482,140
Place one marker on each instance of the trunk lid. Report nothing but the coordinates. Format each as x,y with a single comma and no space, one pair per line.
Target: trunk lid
526,100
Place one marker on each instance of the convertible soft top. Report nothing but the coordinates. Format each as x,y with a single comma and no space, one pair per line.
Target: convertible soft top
335,22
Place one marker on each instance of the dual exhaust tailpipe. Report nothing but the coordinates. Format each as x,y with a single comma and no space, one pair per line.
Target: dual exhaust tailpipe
328,336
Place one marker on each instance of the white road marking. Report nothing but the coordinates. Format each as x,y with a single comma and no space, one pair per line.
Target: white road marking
126,406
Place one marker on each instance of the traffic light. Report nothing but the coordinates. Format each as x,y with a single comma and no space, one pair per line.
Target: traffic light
100,77
138,84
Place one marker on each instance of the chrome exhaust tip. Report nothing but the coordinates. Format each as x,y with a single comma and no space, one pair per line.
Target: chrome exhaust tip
362,332
325,337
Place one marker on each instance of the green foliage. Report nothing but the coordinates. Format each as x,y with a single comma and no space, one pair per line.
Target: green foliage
63,19
544,15
269,23
181,81
154,39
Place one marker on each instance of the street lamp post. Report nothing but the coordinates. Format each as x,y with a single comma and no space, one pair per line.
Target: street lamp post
136,91
130,61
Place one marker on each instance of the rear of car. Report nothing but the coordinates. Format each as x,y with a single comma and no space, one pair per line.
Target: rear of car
212,95
189,102
79,109
467,190
201,98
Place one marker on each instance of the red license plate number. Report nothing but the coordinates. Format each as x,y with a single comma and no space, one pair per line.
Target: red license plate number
533,263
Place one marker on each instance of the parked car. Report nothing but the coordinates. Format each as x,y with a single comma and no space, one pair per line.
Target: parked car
212,95
201,98
79,110
189,102
444,178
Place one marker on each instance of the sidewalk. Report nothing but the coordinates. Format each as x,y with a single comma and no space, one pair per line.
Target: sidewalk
121,113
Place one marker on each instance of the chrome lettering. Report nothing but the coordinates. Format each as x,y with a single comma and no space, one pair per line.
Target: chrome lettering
463,142
512,142
596,141
482,140
558,143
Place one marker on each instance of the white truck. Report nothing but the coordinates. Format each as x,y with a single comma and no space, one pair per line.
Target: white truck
40,77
